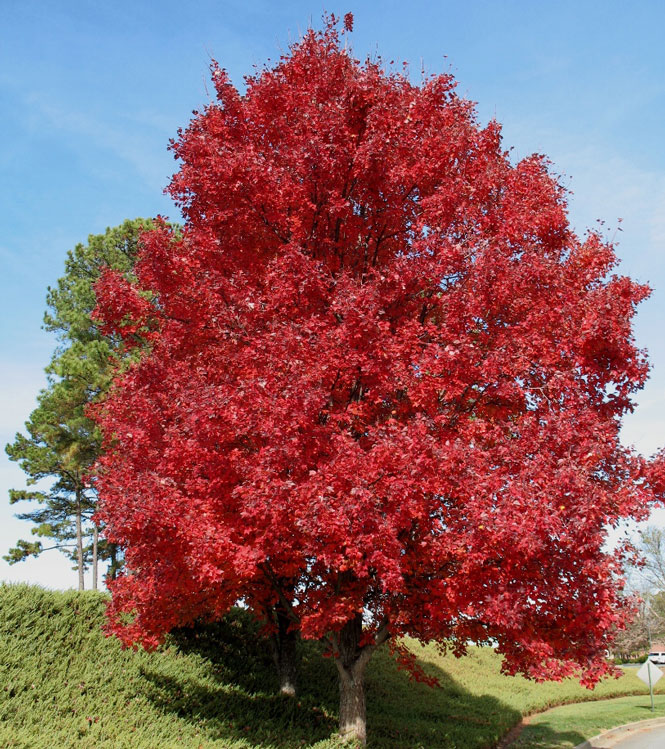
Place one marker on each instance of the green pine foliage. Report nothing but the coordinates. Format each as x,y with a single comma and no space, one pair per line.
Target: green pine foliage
64,684
60,446
61,443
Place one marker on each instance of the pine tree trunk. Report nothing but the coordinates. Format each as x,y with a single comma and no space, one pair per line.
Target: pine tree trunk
79,540
285,654
95,544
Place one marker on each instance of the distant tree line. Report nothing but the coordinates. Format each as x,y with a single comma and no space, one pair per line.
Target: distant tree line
646,631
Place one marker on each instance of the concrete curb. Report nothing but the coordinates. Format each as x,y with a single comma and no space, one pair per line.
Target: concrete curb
608,739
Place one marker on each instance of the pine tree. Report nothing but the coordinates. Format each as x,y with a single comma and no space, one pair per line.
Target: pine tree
61,443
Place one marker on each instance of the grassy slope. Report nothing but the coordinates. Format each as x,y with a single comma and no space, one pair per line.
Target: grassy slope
62,683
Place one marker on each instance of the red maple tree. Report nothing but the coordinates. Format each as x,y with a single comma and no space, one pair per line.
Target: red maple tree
383,382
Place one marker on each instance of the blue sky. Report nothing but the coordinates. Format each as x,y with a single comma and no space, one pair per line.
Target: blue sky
91,92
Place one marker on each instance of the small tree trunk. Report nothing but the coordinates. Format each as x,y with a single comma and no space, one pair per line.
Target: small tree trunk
79,540
113,567
284,651
95,543
287,666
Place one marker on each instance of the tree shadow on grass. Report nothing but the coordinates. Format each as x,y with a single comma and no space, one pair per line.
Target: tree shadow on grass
232,696
226,713
543,736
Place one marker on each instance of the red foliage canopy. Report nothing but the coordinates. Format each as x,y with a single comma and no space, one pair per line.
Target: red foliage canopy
383,376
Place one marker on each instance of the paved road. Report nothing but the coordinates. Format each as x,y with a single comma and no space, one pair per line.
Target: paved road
647,734
646,739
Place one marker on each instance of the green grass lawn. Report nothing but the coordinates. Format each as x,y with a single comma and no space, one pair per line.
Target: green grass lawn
63,684
567,726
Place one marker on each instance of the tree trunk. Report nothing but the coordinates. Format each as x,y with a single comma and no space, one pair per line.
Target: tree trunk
352,711
95,543
351,662
287,666
284,651
113,567
79,540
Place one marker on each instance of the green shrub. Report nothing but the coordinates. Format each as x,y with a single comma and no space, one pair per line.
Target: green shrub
64,684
